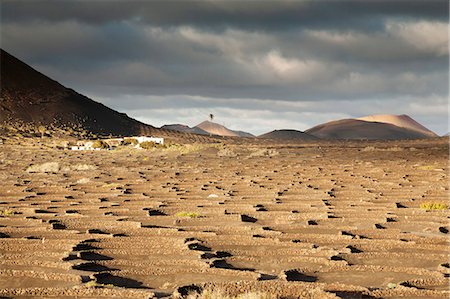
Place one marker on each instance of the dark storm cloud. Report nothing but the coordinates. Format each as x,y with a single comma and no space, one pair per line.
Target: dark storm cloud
322,59
254,15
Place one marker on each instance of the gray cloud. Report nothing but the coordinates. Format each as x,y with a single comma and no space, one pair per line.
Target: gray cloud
380,56
253,15
262,115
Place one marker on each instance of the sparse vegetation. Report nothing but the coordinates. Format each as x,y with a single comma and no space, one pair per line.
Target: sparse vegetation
149,145
203,206
7,213
426,167
100,144
434,206
111,185
188,214
56,129
187,148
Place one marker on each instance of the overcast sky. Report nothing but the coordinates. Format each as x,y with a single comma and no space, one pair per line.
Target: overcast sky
256,65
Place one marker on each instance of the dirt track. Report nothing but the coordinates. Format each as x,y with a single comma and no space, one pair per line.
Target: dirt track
298,221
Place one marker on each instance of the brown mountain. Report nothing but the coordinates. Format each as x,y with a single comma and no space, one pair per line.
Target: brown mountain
403,121
288,135
216,129
184,129
29,97
359,129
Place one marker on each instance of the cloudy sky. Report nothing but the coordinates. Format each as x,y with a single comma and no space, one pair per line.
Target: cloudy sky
256,65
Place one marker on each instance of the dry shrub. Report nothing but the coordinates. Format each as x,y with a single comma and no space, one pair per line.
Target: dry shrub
111,185
148,145
7,213
100,144
434,206
427,167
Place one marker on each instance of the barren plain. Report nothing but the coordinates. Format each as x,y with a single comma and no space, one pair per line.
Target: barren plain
317,220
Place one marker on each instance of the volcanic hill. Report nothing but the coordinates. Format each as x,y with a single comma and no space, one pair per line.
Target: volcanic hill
288,135
361,129
184,129
217,129
30,97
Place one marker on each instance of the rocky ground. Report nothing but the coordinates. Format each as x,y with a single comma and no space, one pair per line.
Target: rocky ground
320,220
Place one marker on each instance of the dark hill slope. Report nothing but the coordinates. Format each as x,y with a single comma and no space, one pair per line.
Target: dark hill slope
30,97
288,135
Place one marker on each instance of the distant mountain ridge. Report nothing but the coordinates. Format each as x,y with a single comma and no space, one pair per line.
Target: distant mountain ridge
293,135
207,128
29,96
217,129
185,129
